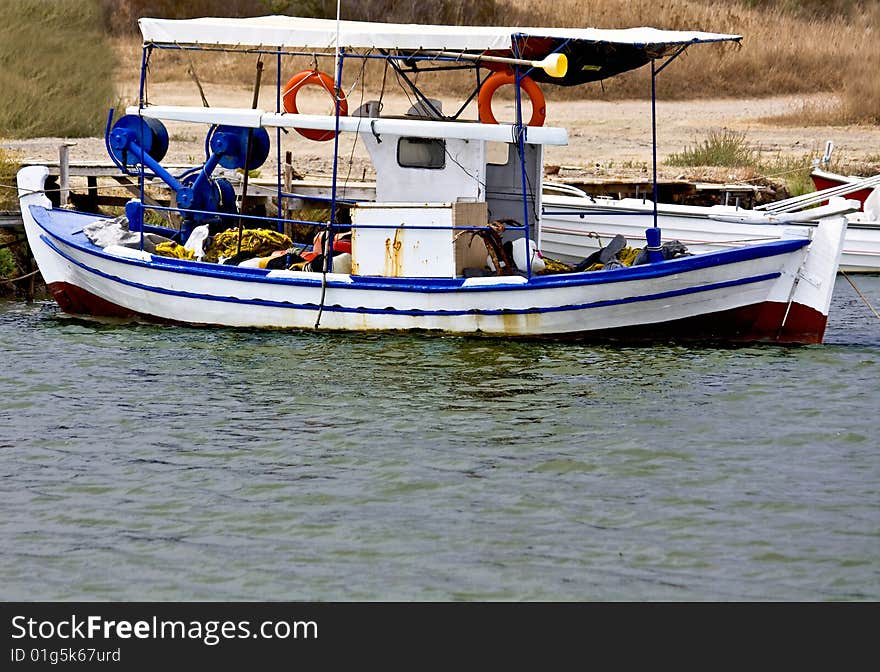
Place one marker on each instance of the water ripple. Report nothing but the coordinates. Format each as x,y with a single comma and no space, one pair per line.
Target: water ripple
148,463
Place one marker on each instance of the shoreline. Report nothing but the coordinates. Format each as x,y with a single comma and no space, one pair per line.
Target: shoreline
605,137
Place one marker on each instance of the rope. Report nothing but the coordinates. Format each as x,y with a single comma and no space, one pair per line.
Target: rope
384,79
21,277
323,294
361,77
191,71
785,172
327,245
28,193
862,296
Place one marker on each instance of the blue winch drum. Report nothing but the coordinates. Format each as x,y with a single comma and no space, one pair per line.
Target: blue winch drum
149,134
231,143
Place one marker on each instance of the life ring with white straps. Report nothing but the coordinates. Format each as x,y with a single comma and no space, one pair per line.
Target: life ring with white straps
314,78
501,78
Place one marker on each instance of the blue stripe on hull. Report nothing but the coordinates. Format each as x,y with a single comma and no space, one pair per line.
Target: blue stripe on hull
386,311
45,219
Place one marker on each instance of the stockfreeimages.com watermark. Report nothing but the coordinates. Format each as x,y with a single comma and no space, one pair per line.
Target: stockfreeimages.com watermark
209,632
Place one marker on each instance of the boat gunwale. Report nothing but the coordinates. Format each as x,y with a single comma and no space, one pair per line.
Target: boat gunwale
432,285
417,312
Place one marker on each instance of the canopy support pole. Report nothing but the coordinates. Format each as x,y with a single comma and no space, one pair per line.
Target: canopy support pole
281,211
424,100
520,140
653,234
146,52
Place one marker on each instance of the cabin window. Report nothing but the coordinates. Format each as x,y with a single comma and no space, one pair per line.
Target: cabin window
421,153
498,153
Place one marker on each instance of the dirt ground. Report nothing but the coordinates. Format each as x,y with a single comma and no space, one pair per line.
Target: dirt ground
606,139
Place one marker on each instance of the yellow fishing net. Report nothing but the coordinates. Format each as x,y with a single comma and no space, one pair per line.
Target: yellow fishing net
554,266
258,242
626,257
172,249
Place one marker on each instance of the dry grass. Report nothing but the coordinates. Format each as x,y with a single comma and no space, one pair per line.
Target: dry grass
729,149
861,89
787,48
55,68
10,255
783,51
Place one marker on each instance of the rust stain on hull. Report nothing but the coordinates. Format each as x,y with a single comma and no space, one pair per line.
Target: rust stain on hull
393,257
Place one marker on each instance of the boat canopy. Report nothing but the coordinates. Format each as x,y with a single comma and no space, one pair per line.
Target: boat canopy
593,53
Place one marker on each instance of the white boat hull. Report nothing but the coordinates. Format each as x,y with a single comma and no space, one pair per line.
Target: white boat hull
572,228
776,292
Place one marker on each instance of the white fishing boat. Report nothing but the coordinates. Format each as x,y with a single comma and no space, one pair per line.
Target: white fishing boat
450,242
575,224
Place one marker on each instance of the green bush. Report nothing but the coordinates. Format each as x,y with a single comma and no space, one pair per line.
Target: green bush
721,148
8,268
8,192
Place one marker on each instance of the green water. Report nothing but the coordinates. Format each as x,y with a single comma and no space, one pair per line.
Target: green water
166,463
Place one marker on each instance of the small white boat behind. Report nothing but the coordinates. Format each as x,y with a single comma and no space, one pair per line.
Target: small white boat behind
576,225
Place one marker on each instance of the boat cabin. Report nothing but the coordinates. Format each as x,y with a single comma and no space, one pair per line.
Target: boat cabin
436,181
434,190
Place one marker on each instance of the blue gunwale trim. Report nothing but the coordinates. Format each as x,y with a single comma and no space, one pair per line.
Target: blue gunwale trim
44,219
386,311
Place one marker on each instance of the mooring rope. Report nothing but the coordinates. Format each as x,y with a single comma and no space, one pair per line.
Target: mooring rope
862,296
21,277
32,191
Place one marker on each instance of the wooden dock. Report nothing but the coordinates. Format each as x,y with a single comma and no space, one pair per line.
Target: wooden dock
60,190
10,219
670,191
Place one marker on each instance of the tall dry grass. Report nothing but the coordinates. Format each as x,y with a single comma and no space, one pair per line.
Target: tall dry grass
63,85
732,149
121,15
172,65
56,68
788,47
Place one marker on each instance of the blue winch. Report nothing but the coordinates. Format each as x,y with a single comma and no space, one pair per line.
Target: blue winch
201,199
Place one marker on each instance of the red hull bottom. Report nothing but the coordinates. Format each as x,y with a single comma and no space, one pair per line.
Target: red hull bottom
759,323
76,301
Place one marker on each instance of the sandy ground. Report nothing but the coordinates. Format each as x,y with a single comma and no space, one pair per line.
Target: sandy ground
606,139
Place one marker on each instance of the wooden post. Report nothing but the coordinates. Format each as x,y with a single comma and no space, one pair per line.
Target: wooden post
64,170
29,268
288,179
92,193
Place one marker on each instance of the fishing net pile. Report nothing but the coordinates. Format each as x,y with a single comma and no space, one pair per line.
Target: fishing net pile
225,245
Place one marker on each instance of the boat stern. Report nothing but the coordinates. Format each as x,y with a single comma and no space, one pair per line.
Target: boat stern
806,310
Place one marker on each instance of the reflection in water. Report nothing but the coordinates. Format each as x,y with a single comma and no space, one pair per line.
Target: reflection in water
146,462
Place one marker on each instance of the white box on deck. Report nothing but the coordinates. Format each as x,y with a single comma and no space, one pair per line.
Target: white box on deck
414,239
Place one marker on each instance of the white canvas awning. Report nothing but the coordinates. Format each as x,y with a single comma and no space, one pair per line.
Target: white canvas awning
592,53
295,32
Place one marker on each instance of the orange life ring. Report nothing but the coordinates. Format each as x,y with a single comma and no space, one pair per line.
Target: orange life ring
498,79
325,81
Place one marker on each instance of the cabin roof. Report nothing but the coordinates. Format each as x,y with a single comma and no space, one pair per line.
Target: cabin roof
254,118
